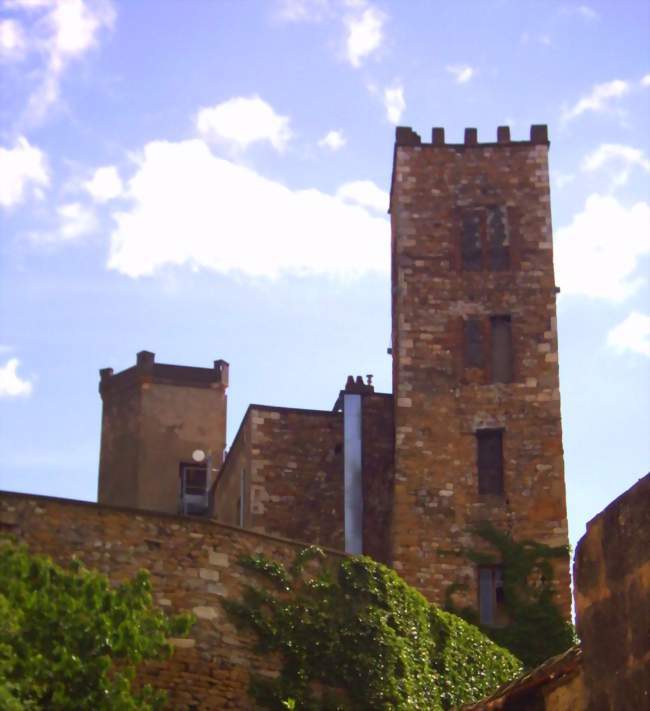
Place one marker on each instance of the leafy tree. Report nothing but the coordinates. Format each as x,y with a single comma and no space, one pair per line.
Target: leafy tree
357,629
68,640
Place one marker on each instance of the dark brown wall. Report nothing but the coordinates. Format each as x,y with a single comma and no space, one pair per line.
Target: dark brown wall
439,405
612,595
378,437
193,565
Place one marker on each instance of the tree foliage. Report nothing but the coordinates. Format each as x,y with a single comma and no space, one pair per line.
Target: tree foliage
68,640
357,629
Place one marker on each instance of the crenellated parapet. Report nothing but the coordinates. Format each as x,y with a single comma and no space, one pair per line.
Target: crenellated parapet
406,136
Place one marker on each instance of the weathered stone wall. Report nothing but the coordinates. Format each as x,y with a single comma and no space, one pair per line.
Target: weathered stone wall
294,461
154,416
439,403
193,565
612,595
378,462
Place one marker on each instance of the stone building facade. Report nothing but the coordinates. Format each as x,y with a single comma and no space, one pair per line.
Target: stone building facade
470,433
475,357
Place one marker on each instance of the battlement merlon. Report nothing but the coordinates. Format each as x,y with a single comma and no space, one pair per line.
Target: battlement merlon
406,137
147,370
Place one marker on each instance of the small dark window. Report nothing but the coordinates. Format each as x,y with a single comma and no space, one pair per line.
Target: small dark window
490,461
491,598
501,349
195,480
473,356
194,494
498,243
471,248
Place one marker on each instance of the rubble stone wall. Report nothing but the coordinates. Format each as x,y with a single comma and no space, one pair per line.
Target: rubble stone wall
193,565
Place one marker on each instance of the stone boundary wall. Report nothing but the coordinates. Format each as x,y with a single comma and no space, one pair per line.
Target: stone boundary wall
193,565
612,594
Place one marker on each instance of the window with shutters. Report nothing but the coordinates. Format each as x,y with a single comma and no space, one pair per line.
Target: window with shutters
473,349
490,461
491,597
501,342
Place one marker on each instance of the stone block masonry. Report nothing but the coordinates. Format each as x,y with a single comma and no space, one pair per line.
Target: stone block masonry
475,355
193,564
287,463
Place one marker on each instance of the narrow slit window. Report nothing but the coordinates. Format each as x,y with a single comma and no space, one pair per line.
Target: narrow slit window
471,247
501,349
473,355
498,242
490,461
491,598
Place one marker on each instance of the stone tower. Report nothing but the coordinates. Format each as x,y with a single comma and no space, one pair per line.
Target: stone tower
154,417
475,367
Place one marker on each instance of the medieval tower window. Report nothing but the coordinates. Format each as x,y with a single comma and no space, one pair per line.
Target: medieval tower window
490,461
473,350
485,241
471,241
491,596
501,342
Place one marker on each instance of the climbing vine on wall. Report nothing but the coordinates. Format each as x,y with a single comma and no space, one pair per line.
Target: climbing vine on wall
356,629
536,630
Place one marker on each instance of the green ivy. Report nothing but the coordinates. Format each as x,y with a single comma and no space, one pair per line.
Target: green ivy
537,629
69,640
354,627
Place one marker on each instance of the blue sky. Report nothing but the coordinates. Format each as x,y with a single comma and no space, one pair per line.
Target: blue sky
208,179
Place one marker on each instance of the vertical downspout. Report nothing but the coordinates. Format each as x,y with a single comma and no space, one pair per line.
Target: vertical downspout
353,485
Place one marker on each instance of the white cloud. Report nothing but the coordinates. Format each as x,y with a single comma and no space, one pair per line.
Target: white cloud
461,72
242,121
364,32
105,184
364,193
303,10
191,208
334,140
562,179
645,80
626,157
59,31
599,99
12,40
394,103
598,253
23,169
75,221
11,384
586,12
632,334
